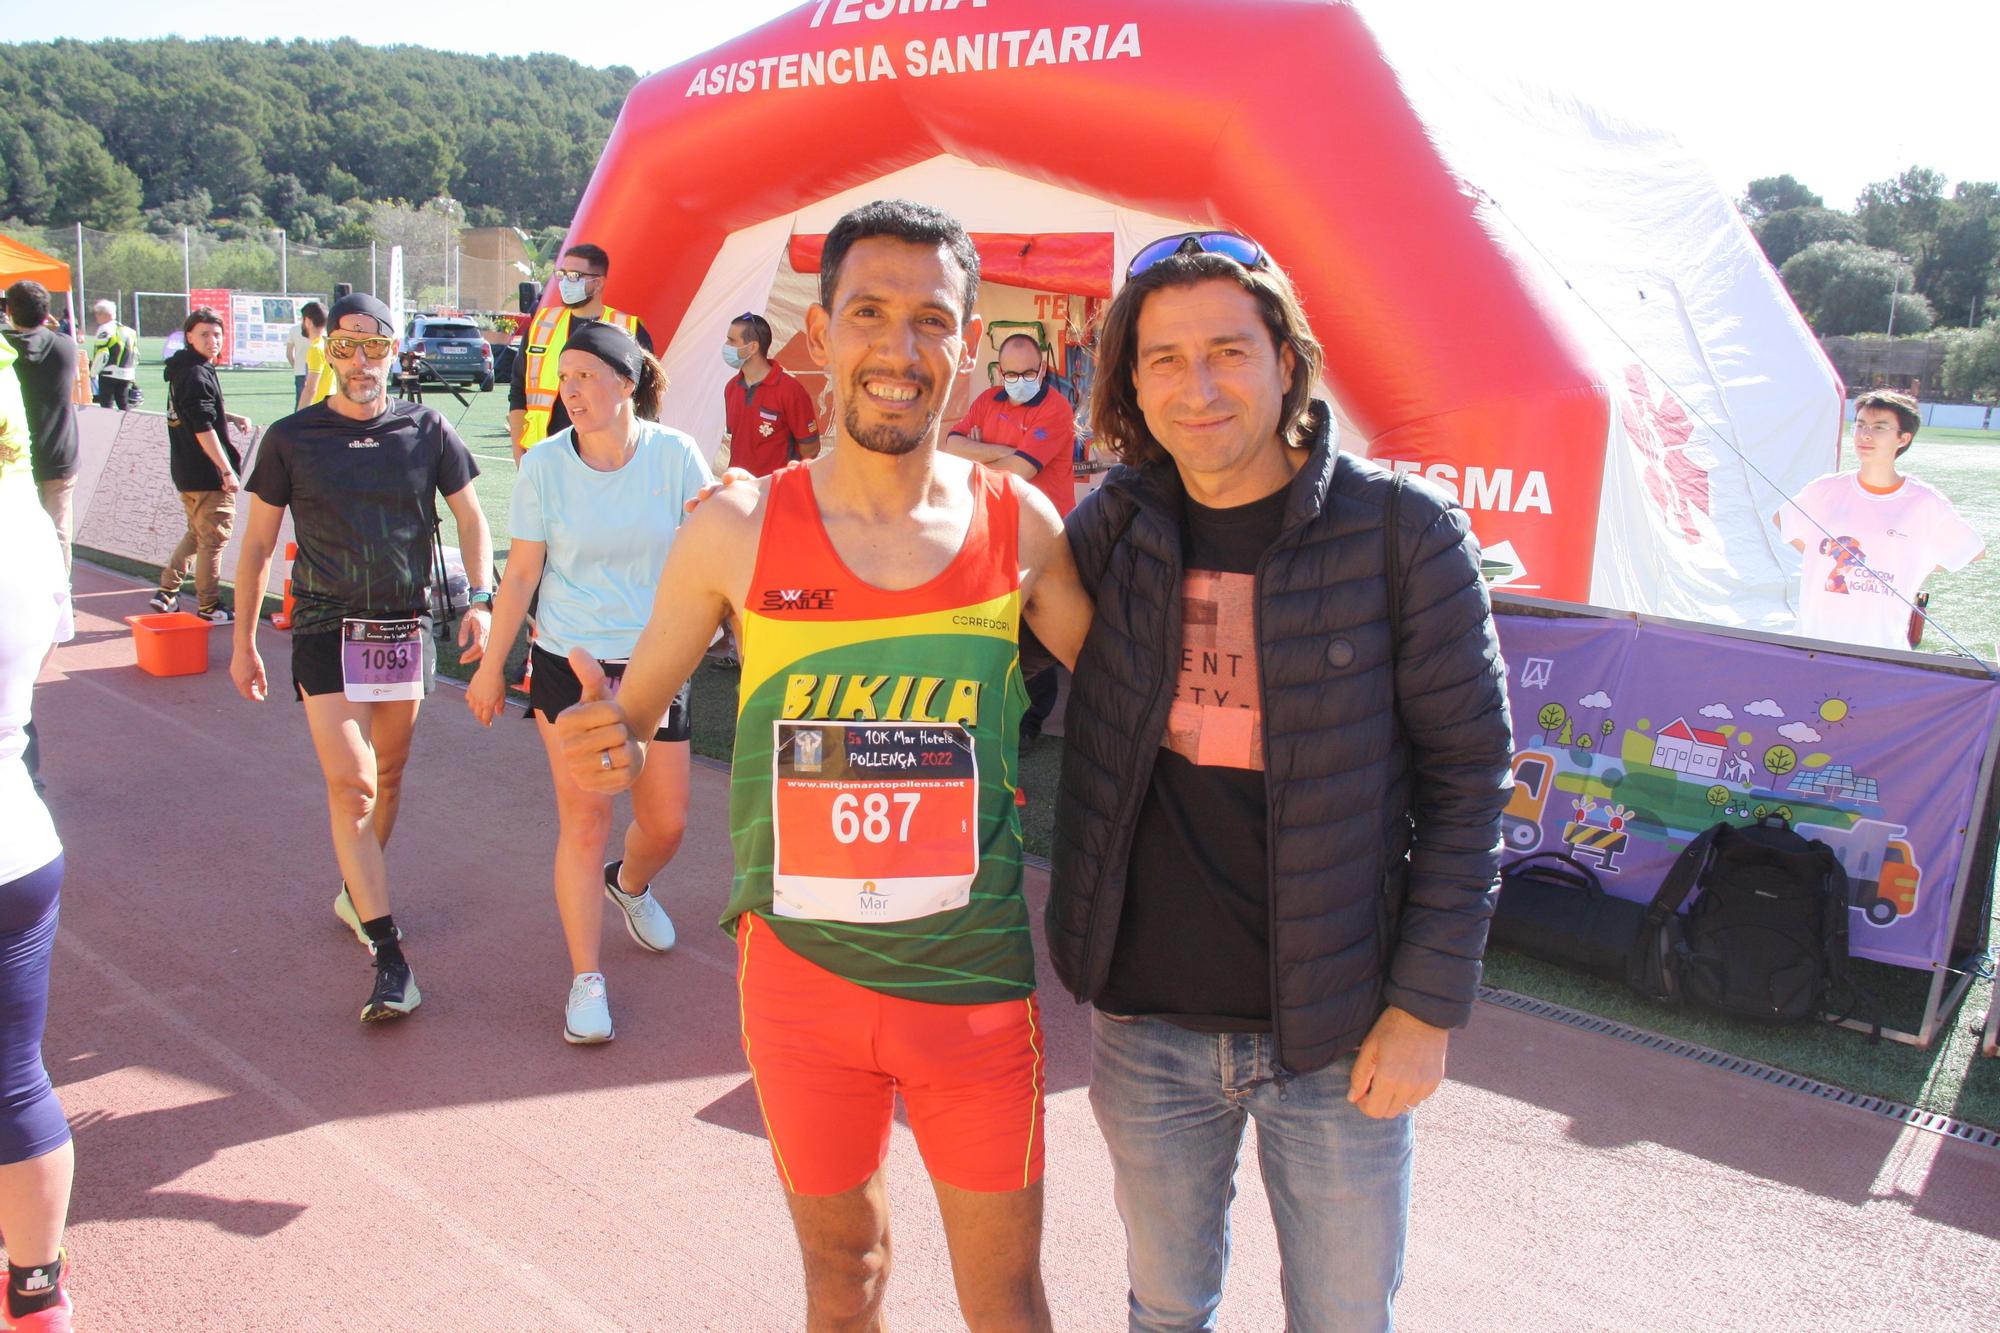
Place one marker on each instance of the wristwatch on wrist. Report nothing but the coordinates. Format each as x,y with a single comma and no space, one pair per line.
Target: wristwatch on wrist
480,597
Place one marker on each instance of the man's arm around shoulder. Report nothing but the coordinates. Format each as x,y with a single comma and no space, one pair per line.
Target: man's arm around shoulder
1055,604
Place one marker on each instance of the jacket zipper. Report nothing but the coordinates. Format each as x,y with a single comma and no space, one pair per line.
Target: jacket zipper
1286,538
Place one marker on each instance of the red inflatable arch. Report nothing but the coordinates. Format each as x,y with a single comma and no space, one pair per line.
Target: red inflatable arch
1277,118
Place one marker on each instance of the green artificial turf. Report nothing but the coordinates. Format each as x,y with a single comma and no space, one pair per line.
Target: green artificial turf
1965,466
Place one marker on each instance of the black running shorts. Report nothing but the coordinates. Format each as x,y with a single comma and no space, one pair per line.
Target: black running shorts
552,687
316,662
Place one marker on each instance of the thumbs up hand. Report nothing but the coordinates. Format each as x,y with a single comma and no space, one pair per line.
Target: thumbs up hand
596,689
603,756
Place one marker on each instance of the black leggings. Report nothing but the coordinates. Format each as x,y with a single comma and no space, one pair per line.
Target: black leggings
31,1119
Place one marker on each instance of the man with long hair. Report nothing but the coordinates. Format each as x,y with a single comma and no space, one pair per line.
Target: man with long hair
1278,831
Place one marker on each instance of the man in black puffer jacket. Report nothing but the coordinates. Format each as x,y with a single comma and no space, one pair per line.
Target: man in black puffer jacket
1278,835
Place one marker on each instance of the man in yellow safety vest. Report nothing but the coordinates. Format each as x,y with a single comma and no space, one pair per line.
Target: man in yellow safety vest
534,411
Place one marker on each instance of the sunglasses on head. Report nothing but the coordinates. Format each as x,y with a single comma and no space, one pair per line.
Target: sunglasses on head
1225,243
374,348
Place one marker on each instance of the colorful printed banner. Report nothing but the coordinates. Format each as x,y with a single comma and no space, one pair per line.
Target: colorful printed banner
1631,738
216,299
261,328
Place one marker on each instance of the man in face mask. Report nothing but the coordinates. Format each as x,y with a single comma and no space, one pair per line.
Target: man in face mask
534,409
770,417
1023,426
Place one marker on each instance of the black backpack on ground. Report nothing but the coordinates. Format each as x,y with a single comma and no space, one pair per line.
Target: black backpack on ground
1766,936
1553,907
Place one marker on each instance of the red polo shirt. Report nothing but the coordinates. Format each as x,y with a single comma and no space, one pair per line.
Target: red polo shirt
1041,430
767,421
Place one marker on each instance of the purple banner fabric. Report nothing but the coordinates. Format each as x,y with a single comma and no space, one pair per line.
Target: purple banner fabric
1632,738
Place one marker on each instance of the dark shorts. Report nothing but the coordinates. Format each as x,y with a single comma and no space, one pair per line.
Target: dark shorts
316,662
552,687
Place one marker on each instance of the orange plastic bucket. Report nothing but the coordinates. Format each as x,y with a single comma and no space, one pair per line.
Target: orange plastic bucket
175,644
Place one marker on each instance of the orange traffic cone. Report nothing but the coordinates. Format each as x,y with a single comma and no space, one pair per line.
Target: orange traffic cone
283,620
527,666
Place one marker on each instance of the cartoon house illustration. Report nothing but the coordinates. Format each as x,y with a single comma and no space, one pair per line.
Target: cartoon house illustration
1688,749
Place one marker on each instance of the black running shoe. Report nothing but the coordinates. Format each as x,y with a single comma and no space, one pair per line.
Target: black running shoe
395,992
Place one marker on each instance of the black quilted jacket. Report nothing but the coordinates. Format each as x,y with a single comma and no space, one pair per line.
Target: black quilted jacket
1385,772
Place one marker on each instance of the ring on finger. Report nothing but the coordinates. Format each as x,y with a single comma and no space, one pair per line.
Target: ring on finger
604,760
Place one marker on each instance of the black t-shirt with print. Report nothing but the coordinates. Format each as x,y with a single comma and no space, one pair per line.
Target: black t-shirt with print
363,496
1194,936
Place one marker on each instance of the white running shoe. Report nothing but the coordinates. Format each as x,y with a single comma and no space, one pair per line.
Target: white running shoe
645,920
343,907
587,1016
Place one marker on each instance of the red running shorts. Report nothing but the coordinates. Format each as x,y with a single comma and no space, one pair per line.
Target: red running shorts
828,1058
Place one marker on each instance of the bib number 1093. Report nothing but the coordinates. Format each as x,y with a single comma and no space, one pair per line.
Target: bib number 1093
871,818
381,660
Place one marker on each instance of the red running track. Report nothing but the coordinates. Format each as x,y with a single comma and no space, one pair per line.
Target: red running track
251,1158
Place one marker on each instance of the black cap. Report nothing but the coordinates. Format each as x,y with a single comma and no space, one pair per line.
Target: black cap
609,344
360,303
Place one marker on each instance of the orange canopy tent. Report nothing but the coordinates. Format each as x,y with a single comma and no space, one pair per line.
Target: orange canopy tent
18,261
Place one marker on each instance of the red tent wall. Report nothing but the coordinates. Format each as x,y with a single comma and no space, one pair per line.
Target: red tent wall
1278,118
1075,262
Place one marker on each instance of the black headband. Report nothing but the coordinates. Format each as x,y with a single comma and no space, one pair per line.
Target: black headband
360,303
609,344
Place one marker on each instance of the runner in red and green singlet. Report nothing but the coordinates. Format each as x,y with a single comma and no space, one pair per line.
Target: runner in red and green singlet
882,944
872,802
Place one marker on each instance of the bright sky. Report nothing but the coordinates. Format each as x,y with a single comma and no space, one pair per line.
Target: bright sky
1756,87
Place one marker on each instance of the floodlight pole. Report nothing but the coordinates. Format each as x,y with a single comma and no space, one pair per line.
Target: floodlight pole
284,268
1895,285
77,293
187,271
371,268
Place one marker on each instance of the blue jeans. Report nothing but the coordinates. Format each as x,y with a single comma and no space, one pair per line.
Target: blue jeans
1172,1105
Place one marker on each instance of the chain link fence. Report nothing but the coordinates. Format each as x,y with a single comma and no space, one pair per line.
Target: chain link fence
148,275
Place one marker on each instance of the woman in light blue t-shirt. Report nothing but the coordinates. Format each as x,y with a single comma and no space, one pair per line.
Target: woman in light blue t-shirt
595,511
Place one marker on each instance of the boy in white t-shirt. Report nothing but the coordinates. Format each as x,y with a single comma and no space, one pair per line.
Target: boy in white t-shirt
1872,536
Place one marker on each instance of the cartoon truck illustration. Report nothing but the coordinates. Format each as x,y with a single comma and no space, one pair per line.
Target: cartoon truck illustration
1521,821
1882,871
